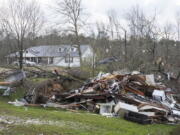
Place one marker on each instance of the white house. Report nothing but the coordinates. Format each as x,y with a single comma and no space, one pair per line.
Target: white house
55,55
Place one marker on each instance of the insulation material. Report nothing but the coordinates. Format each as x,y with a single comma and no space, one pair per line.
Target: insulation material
150,80
124,106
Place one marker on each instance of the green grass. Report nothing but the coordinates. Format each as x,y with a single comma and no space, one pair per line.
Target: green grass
80,123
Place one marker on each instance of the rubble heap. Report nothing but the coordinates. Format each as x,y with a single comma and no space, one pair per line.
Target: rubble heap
134,96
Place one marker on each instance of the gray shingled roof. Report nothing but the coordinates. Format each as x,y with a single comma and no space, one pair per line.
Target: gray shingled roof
53,50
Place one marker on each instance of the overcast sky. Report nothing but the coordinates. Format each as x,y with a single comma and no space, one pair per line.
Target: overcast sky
98,9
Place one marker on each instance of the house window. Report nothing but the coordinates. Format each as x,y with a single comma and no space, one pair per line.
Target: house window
60,50
33,59
68,59
65,50
72,49
51,60
39,59
28,59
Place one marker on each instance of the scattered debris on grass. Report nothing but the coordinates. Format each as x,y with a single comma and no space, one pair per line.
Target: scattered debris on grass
134,96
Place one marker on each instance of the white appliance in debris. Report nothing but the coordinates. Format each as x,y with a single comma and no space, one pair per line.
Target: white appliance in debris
159,95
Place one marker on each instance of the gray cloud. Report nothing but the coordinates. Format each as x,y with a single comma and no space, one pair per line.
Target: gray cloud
98,9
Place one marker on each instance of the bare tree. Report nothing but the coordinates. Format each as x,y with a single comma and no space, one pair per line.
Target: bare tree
143,27
73,13
178,25
114,25
168,33
103,38
140,24
21,17
111,25
116,28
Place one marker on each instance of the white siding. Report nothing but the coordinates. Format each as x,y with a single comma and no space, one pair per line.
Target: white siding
88,56
88,53
60,61
27,55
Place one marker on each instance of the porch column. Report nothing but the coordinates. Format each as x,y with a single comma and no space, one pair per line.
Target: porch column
37,61
8,60
48,60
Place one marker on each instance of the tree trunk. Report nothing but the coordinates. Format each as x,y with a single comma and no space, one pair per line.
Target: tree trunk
154,50
78,43
167,52
178,31
125,45
21,55
80,55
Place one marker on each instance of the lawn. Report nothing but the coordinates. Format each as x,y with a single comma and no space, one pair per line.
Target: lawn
48,121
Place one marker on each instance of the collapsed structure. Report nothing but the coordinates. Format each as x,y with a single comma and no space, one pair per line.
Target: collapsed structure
134,96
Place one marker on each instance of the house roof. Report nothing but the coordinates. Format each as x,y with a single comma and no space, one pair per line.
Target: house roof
53,51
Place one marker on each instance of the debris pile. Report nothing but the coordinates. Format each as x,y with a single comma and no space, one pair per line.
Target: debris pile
44,91
136,97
